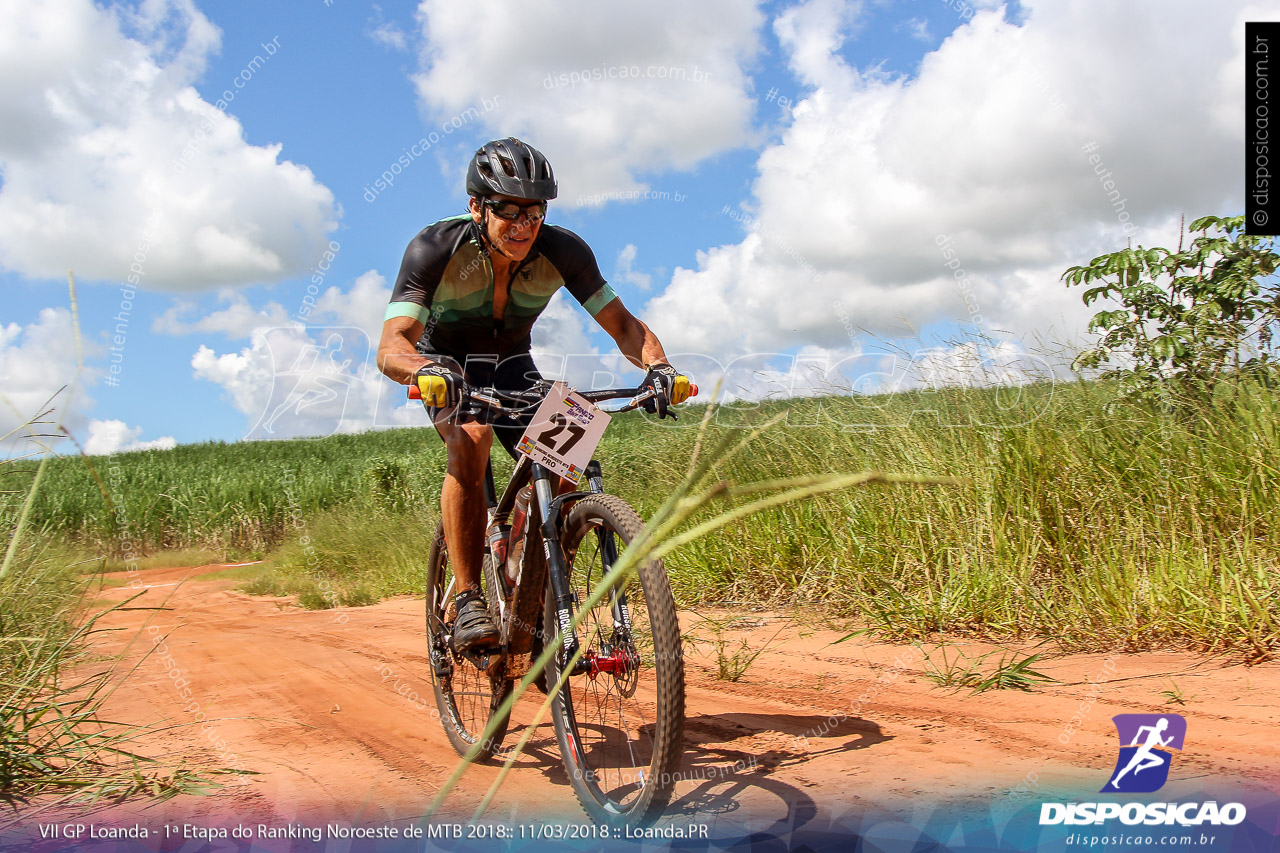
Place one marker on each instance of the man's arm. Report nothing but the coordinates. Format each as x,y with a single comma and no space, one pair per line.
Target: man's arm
425,260
398,356
634,339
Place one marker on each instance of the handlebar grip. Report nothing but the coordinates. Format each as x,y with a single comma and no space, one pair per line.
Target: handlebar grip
415,393
693,390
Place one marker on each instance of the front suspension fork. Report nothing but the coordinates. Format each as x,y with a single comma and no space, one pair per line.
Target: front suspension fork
557,563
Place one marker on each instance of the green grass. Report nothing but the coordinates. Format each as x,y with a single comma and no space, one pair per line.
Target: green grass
1174,695
56,744
54,739
732,662
1096,523
236,501
958,670
332,561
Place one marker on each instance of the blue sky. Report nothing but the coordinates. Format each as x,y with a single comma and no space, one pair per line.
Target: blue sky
804,164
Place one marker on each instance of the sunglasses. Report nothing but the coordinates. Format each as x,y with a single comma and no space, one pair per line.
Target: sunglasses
510,211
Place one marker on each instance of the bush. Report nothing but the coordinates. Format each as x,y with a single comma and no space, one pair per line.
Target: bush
1188,319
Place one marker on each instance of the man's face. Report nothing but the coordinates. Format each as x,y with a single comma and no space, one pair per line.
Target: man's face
513,238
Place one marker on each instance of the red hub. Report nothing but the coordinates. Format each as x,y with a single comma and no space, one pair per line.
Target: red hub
617,663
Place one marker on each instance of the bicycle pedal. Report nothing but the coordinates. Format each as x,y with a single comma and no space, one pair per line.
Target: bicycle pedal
482,656
495,664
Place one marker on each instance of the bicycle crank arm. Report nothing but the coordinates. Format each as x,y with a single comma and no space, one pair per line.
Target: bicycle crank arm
488,660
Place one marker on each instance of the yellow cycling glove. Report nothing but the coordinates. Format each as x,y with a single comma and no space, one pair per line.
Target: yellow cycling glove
440,386
672,389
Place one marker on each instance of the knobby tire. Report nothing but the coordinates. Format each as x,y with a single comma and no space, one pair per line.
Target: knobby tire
620,735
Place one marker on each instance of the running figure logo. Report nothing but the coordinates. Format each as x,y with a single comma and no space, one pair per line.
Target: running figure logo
311,383
1144,760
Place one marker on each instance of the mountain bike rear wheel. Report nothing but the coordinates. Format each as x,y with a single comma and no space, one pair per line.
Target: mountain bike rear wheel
620,717
467,696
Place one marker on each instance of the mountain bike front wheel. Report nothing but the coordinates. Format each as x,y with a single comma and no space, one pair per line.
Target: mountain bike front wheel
620,718
467,695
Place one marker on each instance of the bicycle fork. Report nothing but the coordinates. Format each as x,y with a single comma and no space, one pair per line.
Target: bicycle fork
557,566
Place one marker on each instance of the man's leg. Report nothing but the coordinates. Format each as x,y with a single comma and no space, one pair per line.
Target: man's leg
462,511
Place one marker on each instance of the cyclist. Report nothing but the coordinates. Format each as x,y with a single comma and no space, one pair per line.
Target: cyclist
469,290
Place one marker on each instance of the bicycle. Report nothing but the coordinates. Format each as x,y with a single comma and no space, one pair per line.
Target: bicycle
619,721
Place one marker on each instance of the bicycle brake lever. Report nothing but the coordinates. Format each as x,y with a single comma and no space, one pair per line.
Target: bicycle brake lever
487,399
638,400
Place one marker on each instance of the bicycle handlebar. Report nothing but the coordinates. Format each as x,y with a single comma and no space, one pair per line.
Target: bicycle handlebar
488,398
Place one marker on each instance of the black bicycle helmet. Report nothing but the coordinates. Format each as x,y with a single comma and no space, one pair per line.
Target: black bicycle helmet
511,167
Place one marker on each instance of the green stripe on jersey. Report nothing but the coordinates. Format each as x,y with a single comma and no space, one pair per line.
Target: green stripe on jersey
599,299
407,309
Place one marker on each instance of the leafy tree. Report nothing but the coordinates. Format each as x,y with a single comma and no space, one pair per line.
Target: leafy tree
1188,319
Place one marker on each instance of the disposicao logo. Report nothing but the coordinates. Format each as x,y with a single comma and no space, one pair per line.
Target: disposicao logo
1148,814
1143,767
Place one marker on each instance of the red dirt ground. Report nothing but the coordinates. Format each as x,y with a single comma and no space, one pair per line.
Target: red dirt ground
311,705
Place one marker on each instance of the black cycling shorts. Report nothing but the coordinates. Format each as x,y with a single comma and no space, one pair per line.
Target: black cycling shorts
513,373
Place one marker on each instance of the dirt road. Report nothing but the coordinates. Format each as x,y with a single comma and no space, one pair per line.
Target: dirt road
334,714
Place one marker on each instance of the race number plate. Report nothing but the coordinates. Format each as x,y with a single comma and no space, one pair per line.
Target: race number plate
564,432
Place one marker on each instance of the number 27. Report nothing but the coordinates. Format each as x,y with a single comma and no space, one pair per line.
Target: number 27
560,424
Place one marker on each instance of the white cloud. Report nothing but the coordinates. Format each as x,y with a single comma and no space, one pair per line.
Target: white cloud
389,35
96,108
35,361
626,268
363,305
562,347
984,146
611,92
385,33
917,28
812,32
118,437
238,320
756,376
294,379
972,364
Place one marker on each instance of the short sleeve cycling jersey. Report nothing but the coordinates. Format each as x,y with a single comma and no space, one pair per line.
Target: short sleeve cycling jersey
446,283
